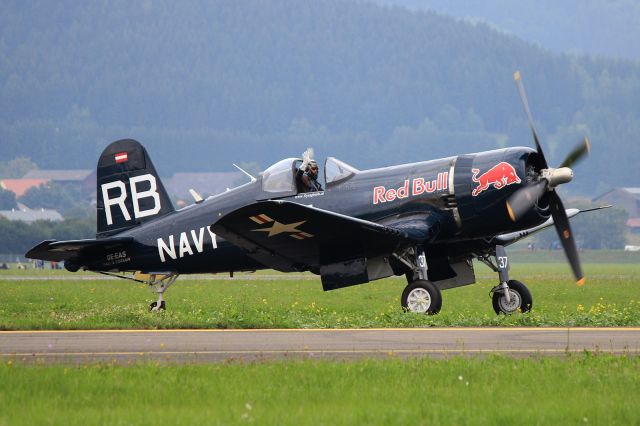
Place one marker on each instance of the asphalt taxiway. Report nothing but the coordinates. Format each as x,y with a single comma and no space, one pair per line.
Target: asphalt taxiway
123,346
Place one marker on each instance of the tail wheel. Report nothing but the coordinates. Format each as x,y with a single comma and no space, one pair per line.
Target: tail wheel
421,297
154,306
520,299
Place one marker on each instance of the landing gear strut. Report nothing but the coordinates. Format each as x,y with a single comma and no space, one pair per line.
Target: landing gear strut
510,295
160,284
420,295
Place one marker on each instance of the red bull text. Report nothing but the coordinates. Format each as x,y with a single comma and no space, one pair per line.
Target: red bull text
417,187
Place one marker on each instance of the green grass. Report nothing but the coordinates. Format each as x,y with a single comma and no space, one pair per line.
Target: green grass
595,389
611,297
586,256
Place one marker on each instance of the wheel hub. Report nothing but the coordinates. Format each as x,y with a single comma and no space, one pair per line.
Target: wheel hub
514,303
419,300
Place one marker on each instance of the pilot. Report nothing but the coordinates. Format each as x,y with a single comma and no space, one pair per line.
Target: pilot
307,174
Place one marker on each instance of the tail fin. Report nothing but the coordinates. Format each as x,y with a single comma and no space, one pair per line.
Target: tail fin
129,191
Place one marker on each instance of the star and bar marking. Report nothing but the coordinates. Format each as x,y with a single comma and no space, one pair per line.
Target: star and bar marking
280,228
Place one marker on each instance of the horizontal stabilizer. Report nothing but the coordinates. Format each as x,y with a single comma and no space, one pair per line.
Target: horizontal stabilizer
58,251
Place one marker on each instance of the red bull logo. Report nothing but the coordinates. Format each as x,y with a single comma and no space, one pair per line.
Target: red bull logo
499,176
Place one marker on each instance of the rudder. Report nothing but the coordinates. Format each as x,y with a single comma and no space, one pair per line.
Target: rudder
129,191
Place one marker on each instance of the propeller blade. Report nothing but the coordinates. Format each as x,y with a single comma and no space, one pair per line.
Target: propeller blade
523,200
542,162
561,222
580,150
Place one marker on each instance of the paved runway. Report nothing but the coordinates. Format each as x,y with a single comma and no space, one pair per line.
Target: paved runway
217,345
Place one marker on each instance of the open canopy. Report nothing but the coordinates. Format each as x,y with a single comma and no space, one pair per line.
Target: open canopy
280,177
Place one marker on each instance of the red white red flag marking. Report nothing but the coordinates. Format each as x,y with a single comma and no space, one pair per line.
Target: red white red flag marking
121,157
261,218
301,236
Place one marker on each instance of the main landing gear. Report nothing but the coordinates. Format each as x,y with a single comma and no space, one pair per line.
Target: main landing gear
160,284
509,296
420,295
423,296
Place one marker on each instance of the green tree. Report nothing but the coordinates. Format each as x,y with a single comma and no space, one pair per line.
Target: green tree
17,167
601,229
7,199
64,198
264,80
18,237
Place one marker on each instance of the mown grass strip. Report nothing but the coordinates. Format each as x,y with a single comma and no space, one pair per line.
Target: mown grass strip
610,298
598,389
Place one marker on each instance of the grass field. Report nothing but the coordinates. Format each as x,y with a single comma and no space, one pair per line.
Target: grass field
62,300
596,389
572,389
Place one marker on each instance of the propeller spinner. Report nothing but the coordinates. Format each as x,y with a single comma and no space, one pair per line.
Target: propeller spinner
545,182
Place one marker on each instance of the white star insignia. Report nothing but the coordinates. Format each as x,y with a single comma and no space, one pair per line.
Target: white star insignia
279,228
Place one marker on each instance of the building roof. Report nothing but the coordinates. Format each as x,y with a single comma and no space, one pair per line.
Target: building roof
634,192
59,175
204,183
633,222
20,186
30,215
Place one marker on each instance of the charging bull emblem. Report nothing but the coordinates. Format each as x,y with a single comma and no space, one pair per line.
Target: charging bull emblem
499,176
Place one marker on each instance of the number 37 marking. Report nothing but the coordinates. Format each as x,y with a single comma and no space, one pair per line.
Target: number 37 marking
503,262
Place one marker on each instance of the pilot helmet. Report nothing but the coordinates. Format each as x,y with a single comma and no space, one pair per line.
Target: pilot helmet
312,167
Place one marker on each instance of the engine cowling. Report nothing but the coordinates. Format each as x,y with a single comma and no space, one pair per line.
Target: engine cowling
482,184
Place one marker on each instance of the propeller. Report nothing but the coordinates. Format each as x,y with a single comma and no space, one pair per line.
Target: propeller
545,181
542,162
577,153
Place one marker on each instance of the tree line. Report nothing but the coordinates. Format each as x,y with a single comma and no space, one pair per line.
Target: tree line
18,237
205,84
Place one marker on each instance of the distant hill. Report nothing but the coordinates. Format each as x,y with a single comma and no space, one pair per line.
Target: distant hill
591,27
204,84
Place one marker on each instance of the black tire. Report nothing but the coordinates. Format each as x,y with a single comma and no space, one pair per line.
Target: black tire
163,306
523,303
421,296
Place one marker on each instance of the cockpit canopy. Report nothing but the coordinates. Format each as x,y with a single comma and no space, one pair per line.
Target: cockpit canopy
336,171
280,177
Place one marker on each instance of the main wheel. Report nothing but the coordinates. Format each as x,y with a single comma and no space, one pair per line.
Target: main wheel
520,299
421,297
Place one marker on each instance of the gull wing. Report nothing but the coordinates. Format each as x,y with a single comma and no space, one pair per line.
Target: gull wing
288,236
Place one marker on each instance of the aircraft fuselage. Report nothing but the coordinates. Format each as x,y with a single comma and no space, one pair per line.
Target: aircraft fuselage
461,198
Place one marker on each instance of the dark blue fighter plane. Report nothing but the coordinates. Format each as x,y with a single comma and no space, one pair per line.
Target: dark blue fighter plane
426,220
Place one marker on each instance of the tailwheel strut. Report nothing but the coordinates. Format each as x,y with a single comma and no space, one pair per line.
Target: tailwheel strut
159,283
